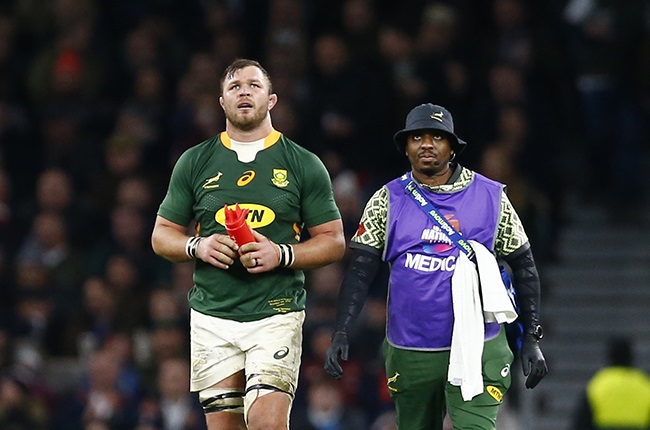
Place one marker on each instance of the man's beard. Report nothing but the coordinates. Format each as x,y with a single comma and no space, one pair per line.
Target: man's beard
247,123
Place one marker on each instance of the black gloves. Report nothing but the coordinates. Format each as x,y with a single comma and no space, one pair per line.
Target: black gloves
338,347
532,361
527,287
354,289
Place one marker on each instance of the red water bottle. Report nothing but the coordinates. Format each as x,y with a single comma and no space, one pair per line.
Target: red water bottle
236,225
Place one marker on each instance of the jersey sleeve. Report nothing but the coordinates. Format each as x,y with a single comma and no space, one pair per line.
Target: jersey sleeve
511,238
177,206
371,233
317,201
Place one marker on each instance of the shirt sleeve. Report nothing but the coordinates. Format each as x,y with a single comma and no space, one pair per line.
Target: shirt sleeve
318,204
178,204
371,233
511,238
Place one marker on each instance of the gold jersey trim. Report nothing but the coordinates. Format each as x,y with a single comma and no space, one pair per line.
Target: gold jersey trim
269,140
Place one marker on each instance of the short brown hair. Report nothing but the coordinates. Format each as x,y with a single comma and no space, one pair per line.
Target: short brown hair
239,64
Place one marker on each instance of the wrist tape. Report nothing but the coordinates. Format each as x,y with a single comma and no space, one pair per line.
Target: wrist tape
287,256
191,246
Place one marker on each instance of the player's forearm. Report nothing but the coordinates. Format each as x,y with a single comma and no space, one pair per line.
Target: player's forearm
169,242
326,246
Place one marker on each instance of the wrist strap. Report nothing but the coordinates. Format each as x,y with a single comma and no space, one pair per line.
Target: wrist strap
287,257
192,245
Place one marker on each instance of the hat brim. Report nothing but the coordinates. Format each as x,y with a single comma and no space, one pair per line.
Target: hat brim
400,139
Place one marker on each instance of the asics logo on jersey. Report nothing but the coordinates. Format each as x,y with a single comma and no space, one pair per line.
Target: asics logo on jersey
281,353
246,178
210,182
437,116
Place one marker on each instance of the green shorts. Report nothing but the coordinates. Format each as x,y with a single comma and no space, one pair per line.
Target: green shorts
417,381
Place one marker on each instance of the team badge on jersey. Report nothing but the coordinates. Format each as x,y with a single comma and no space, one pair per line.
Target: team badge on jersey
280,178
212,182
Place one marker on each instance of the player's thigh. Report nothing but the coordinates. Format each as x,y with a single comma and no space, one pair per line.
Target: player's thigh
273,351
214,354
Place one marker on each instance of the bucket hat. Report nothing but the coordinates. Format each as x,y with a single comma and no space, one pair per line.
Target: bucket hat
428,116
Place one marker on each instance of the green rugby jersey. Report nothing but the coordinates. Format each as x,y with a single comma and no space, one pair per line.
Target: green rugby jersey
285,187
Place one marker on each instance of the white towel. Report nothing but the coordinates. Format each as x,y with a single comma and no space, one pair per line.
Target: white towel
468,334
497,305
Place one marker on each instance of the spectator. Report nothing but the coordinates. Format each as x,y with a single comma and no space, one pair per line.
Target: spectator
19,408
337,123
56,193
38,308
605,51
48,244
123,158
327,410
136,192
171,406
98,397
360,28
441,63
128,237
498,162
99,318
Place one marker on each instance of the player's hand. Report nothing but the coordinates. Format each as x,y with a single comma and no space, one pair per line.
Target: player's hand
338,348
533,361
218,250
259,256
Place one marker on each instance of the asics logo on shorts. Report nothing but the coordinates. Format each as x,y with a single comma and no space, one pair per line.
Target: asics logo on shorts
281,353
505,370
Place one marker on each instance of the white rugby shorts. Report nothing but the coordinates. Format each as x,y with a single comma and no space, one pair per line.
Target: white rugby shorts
221,347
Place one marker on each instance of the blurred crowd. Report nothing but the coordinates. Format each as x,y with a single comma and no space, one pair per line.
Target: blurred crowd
99,97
